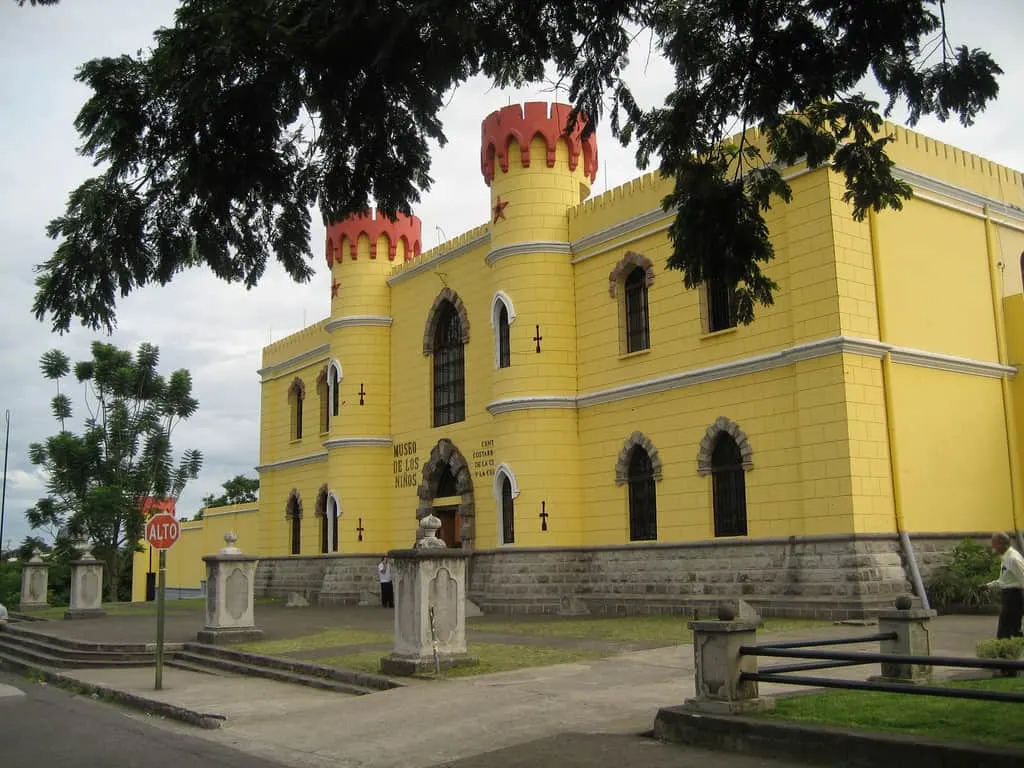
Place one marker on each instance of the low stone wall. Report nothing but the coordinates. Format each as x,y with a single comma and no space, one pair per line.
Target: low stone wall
321,579
822,577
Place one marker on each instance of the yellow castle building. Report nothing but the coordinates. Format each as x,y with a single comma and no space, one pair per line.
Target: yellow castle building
603,438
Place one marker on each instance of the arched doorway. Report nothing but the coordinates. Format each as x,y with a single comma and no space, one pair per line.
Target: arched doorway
446,491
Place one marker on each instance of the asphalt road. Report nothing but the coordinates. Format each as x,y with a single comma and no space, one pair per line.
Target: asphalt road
42,726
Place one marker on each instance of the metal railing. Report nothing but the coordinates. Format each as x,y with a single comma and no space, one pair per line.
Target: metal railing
818,659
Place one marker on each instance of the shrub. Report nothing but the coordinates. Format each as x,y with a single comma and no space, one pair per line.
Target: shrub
10,585
1007,648
962,580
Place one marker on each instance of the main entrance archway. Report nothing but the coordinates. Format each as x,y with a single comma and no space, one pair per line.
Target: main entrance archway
447,474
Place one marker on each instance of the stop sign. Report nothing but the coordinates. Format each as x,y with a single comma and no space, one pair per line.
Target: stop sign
162,531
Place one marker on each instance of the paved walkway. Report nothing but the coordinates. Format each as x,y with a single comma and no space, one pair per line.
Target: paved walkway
581,714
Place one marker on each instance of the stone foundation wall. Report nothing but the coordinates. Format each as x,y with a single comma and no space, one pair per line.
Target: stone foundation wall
321,579
822,577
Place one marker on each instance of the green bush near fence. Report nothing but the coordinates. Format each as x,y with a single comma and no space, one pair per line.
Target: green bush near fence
961,581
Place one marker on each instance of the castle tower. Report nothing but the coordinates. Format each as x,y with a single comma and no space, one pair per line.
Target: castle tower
537,170
361,252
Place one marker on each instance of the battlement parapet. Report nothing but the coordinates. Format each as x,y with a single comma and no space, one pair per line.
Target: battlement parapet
404,229
523,122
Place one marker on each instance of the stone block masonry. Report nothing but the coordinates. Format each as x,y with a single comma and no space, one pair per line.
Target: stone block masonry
799,577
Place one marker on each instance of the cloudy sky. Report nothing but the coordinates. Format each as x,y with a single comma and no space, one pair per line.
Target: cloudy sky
216,330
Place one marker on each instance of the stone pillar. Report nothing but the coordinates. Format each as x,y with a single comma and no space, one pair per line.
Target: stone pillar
718,666
230,596
910,626
35,577
430,605
86,587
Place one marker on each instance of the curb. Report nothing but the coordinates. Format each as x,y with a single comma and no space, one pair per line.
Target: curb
141,703
25,616
824,745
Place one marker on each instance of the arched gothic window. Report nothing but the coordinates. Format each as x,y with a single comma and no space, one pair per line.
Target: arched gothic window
508,514
504,338
334,382
638,333
449,368
293,513
321,512
296,396
729,487
323,395
643,502
335,516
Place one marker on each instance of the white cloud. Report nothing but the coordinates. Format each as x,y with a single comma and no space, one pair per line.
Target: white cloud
217,330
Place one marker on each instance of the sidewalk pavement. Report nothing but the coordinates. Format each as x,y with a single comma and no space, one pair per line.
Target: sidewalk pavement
571,714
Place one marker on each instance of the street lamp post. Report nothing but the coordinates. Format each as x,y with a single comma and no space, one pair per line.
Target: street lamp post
3,494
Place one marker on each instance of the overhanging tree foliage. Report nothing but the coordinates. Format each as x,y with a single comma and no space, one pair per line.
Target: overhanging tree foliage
96,479
216,143
238,490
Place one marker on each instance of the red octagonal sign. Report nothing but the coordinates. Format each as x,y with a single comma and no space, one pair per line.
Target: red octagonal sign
162,531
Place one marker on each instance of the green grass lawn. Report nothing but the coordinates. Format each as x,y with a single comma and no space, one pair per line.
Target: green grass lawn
494,657
990,722
329,638
126,609
666,630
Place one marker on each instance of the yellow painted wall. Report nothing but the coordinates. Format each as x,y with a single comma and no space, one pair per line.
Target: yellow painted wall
185,566
817,424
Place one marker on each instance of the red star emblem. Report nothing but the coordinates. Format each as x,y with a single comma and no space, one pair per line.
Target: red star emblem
499,209
334,289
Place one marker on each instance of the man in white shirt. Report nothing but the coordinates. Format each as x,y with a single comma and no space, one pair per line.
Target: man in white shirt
1011,586
387,590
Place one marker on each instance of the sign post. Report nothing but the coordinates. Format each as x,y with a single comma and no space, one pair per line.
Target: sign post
161,532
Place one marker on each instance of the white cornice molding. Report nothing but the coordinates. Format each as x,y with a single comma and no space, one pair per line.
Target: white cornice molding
531,403
358,321
940,362
795,354
302,359
300,461
454,253
659,217
920,181
529,246
357,442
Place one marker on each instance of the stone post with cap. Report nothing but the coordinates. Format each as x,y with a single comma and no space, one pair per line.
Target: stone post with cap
908,627
430,605
230,595
86,586
35,577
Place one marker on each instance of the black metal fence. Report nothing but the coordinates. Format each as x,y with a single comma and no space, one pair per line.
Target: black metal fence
815,658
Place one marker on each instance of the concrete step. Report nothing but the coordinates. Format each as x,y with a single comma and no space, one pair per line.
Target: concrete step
349,676
173,660
23,630
283,676
42,644
55,659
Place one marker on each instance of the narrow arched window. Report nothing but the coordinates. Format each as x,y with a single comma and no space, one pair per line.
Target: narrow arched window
638,335
335,524
335,385
508,516
321,512
293,513
729,487
643,503
296,395
449,368
323,395
504,339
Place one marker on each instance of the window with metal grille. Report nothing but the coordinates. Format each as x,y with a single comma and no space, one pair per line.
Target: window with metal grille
721,305
508,518
504,340
643,503
729,487
334,391
446,485
449,369
638,335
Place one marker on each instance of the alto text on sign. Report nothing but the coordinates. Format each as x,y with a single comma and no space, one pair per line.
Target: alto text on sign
162,531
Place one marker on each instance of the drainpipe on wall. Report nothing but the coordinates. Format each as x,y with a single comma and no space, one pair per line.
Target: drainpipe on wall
897,494
1009,419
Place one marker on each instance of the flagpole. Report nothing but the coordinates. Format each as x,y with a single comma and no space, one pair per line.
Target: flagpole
3,494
